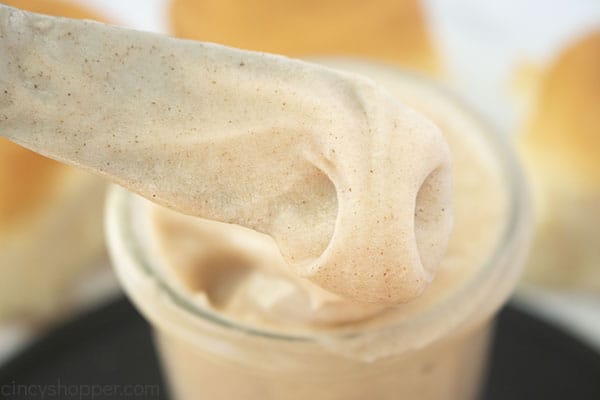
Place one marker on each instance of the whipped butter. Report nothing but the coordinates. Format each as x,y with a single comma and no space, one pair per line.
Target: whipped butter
353,186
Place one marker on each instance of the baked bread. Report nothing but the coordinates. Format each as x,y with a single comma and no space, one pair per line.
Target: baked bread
50,217
561,148
388,30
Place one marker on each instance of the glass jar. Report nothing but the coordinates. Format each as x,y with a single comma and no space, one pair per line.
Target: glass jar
439,353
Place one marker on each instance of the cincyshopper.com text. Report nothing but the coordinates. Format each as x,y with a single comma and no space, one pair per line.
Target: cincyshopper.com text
60,390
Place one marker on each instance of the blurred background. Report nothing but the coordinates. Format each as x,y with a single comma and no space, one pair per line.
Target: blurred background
531,67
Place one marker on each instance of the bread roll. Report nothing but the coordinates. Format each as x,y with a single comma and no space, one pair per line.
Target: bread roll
50,217
388,30
561,149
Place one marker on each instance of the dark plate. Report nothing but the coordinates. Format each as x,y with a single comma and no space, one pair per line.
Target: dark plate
108,354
